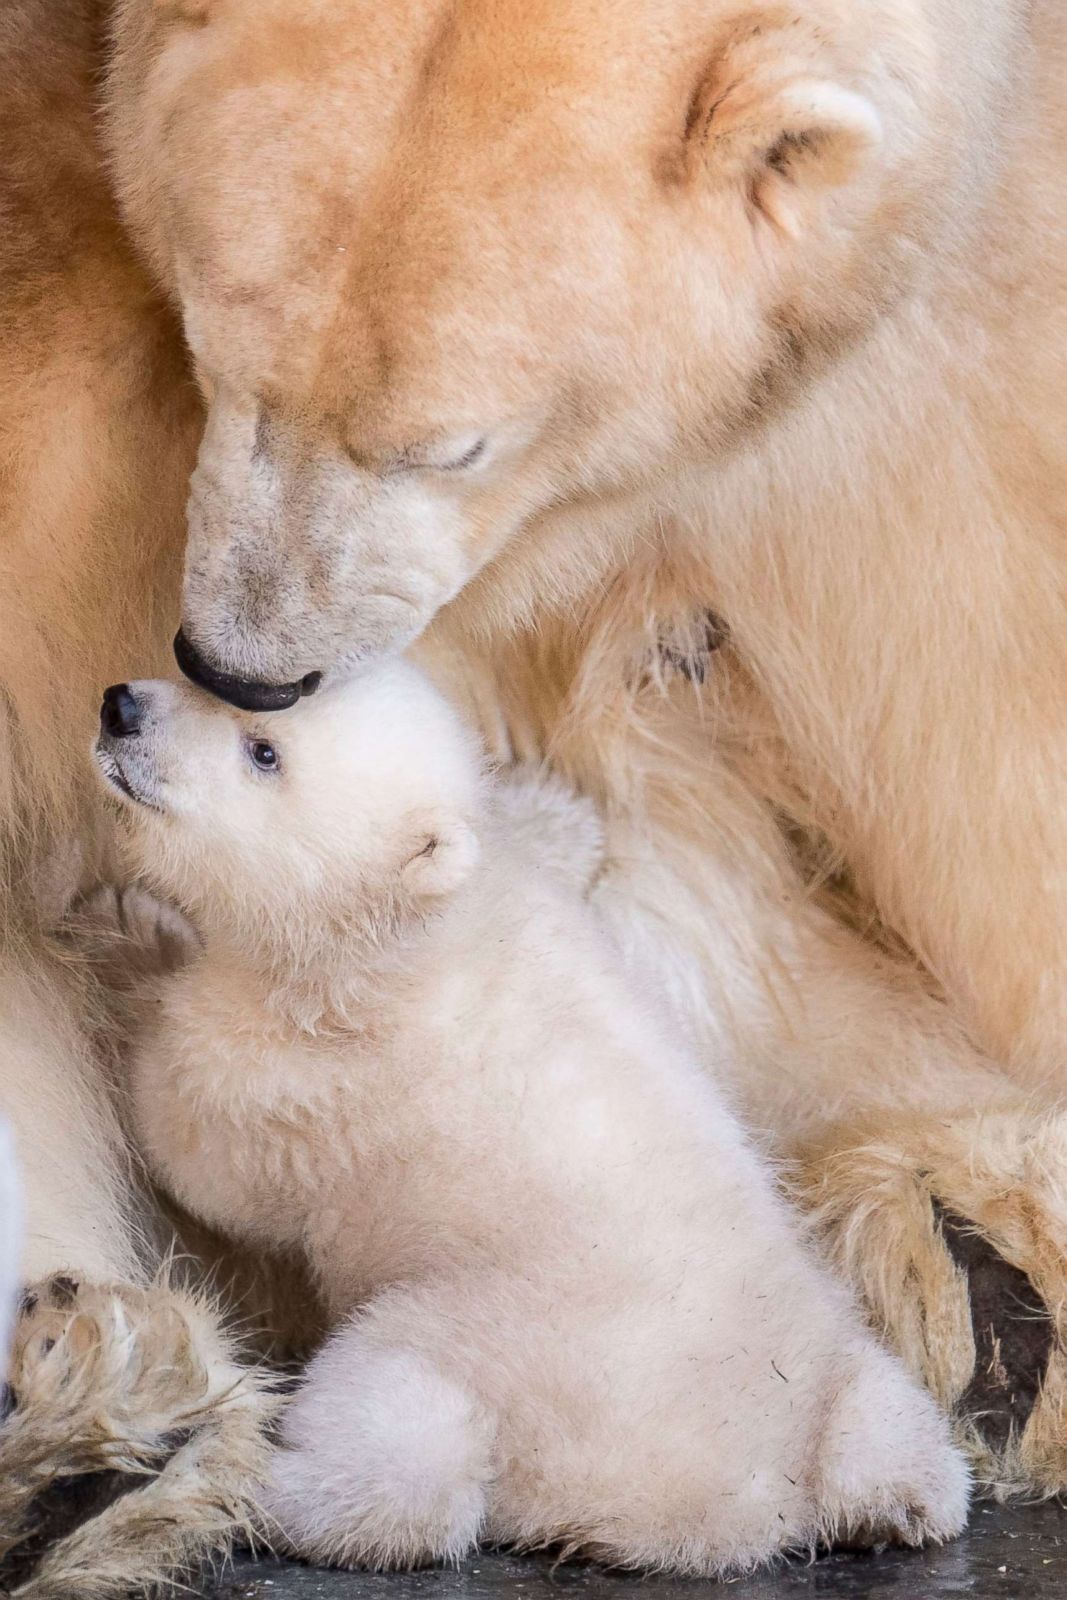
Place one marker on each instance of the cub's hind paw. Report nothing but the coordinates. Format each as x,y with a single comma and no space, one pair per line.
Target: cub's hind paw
888,1470
384,1462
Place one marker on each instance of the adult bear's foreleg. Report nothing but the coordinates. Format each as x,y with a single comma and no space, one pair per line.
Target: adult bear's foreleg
131,1430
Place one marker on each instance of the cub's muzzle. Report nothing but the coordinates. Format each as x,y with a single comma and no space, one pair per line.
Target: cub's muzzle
120,751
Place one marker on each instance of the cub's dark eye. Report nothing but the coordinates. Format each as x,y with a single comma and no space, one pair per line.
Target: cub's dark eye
264,755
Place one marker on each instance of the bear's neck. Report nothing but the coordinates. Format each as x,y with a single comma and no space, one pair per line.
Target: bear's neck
326,979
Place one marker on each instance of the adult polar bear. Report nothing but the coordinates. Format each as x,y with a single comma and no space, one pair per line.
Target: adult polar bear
599,315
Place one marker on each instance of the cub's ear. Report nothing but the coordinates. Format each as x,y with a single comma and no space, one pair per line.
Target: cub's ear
444,856
764,118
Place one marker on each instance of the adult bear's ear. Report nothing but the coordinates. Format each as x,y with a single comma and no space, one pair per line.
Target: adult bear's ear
765,117
445,852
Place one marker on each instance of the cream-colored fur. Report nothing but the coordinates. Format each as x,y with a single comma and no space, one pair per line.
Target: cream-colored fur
572,1308
779,290
882,543
755,307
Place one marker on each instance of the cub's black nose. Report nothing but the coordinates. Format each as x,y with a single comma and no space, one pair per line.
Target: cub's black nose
120,715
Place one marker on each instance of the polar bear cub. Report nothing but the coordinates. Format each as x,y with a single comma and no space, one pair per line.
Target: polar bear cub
570,1306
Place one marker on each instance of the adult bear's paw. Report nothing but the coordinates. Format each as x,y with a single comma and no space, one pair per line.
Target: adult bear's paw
130,1441
955,1232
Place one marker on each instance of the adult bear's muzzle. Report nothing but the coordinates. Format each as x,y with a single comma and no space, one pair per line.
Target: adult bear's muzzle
247,694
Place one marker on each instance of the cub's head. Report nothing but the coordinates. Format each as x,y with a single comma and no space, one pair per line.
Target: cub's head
459,277
360,806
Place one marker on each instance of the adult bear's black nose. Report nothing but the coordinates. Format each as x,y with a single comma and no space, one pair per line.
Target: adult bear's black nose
249,694
120,715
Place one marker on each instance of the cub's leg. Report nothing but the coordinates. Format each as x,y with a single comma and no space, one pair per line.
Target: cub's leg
711,1462
694,1402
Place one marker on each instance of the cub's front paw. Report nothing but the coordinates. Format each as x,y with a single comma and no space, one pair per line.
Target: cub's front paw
129,935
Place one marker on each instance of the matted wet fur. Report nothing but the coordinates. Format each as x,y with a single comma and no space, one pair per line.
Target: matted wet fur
133,1438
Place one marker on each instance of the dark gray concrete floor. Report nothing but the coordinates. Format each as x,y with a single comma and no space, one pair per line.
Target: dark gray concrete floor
1014,1554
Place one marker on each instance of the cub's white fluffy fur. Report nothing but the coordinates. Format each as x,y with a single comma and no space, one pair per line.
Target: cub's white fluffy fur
570,1305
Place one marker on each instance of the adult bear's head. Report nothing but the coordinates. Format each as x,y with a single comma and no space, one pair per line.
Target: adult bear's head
454,270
